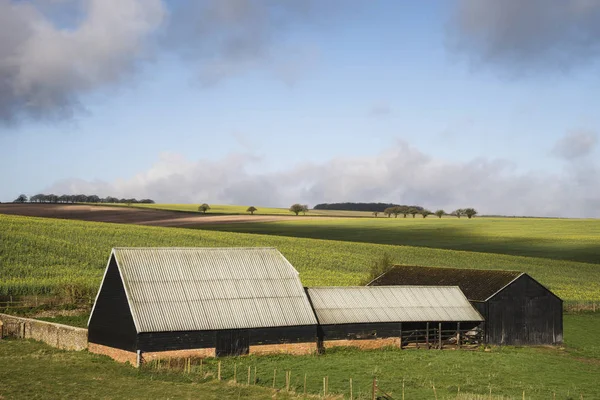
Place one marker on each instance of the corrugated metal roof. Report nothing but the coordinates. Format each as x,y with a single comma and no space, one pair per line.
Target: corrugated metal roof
476,284
360,304
187,289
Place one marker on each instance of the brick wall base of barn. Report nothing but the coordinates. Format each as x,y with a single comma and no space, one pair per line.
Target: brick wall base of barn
119,355
130,357
163,355
364,344
284,348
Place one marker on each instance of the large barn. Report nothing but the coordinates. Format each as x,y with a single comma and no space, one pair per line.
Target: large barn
370,317
158,302
518,310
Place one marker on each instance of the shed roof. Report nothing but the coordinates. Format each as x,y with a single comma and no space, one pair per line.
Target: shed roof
363,304
185,289
476,284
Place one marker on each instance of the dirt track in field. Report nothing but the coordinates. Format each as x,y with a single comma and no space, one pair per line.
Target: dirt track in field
131,215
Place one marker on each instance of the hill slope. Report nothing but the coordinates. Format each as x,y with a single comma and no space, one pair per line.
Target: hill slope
42,255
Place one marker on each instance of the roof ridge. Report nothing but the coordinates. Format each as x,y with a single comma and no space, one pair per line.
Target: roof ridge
195,248
461,269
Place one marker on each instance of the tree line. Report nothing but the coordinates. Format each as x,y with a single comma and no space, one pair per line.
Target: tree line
407,210
350,206
77,198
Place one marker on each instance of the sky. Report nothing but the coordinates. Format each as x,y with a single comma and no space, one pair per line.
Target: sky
466,103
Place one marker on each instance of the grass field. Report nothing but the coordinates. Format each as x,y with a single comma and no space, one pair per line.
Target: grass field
214,209
68,257
34,370
44,256
560,239
241,210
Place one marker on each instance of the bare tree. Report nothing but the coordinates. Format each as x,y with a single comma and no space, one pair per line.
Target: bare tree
440,213
375,213
425,213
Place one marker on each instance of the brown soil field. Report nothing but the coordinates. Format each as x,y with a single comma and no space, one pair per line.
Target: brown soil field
127,215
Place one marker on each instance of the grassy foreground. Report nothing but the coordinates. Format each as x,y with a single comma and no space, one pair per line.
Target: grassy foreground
34,370
51,256
559,239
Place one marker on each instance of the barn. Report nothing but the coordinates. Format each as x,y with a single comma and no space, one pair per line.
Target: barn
517,309
372,317
176,302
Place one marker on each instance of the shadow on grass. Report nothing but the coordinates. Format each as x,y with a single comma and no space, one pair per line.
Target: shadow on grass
448,238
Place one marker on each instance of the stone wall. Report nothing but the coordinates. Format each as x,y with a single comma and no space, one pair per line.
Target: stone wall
56,335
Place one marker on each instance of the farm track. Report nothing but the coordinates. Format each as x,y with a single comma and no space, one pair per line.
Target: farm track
132,215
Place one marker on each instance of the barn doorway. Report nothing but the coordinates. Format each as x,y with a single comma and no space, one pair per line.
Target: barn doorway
233,342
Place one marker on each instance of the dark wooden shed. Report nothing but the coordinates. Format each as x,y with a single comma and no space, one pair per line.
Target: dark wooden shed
371,317
518,310
170,302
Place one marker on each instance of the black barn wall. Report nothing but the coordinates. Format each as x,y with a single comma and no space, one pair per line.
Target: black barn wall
382,330
111,323
163,341
523,313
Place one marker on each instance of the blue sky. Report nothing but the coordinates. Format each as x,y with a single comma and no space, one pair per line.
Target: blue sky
464,104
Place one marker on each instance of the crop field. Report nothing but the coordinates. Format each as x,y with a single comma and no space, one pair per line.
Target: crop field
51,256
560,239
214,209
222,209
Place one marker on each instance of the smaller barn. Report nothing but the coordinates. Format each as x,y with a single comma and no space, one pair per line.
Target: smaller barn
176,302
517,309
371,317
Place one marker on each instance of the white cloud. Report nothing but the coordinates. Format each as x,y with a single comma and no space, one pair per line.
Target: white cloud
44,69
52,53
525,36
401,174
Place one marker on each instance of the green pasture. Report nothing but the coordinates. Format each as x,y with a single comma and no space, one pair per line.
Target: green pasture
218,209
66,257
33,370
559,239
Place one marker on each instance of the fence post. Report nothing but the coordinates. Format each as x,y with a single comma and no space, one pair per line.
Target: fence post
305,384
350,388
400,335
427,336
374,393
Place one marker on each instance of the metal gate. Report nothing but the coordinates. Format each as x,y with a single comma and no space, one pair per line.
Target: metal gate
232,342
